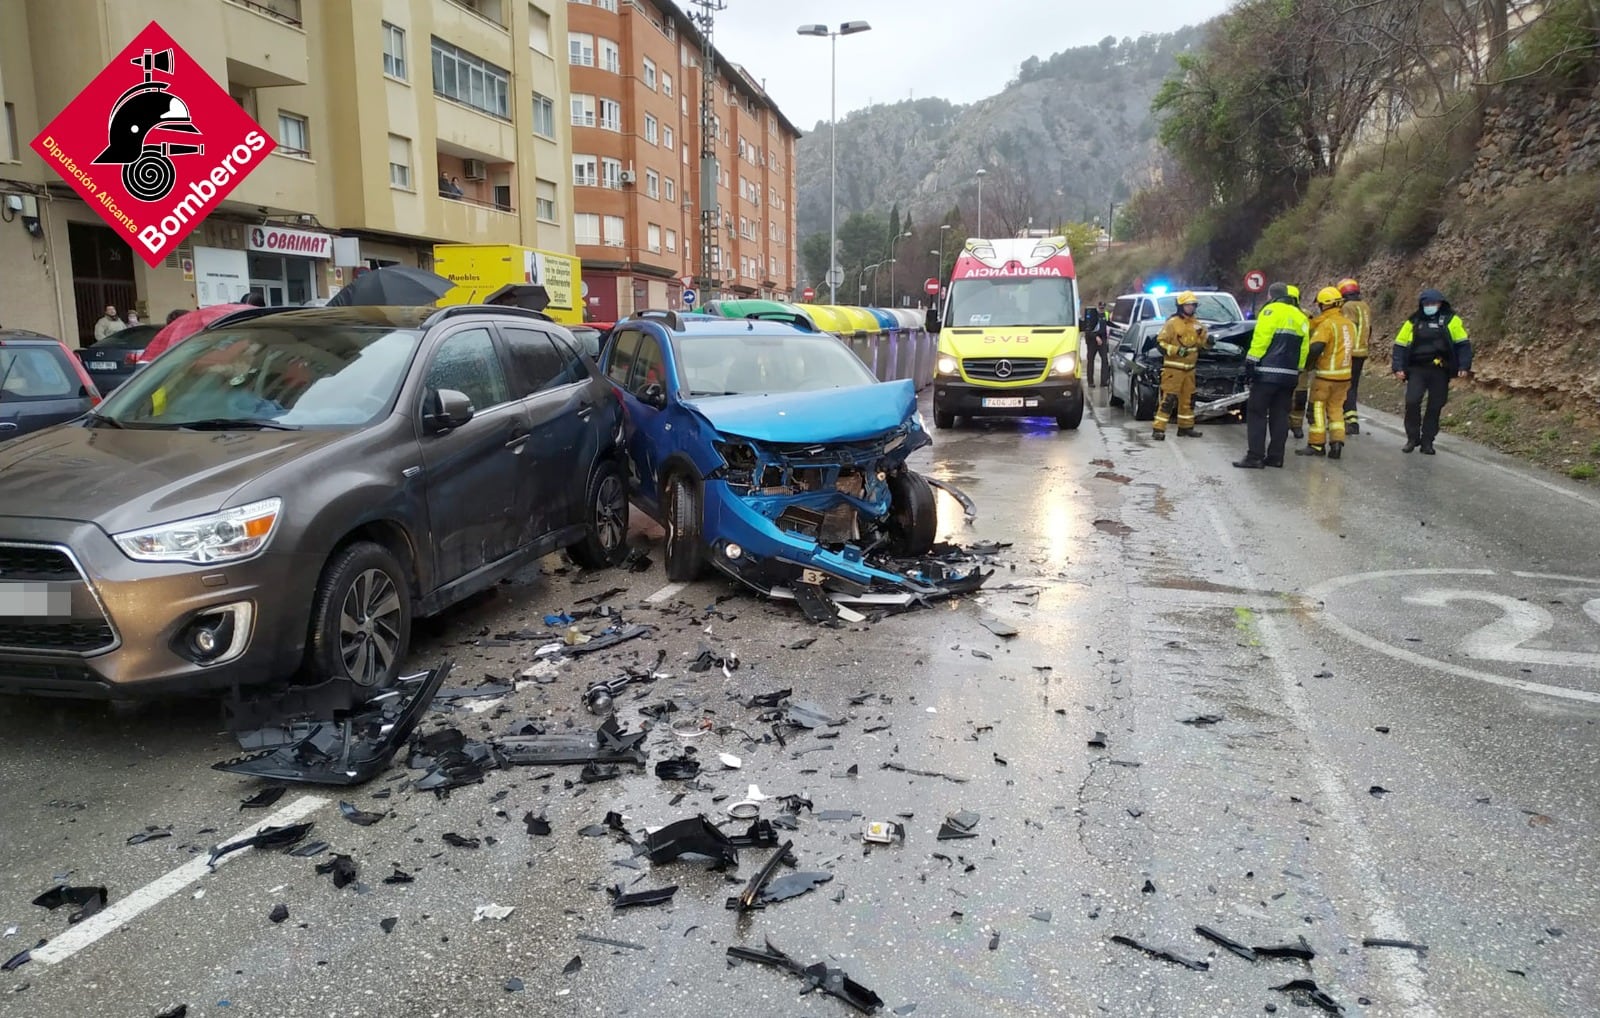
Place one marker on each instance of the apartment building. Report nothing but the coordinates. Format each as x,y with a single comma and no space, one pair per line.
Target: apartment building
399,124
635,118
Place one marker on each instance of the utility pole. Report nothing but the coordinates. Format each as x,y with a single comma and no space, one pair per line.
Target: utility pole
710,175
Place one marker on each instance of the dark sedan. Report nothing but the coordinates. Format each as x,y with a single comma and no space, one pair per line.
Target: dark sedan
113,360
41,384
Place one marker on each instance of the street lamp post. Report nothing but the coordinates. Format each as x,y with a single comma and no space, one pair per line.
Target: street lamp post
822,31
874,267
981,175
892,242
940,270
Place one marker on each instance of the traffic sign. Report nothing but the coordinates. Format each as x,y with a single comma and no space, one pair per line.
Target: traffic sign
1255,282
686,280
835,275
808,295
689,297
931,287
585,288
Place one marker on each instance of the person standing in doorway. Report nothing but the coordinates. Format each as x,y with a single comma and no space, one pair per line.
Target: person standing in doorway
1431,347
1333,336
1278,351
1181,341
110,325
1360,316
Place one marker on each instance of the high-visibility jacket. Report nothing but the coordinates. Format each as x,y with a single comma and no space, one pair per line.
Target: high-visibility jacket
1181,340
1361,317
1337,334
1440,341
1280,343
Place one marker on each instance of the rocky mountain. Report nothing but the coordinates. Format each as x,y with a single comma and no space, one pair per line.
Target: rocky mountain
1069,135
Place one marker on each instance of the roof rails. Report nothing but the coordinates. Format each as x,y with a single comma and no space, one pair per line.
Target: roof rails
456,310
790,318
671,318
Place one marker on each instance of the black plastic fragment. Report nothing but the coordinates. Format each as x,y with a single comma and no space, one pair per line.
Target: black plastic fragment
608,942
644,899
694,836
817,606
1201,720
399,876
343,869
893,765
359,817
593,774
605,595
1378,791
609,744
1226,943
1308,989
607,640
455,840
181,1011
959,825
750,897
537,826
279,913
1098,741
267,837
21,958
264,798
803,644
1405,945
389,924
150,834
771,699
514,985
1300,951
806,714
832,981
572,966
61,894
1162,954
309,850
678,768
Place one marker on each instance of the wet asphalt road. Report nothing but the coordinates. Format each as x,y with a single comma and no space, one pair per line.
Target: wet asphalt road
1428,627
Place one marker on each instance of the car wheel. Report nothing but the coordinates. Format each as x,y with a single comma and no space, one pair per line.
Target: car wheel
605,523
361,618
1070,420
686,554
913,513
943,419
1144,402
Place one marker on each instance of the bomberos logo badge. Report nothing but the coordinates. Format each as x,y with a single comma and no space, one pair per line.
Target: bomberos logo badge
153,144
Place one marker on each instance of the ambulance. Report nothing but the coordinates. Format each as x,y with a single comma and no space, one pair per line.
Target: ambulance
1009,342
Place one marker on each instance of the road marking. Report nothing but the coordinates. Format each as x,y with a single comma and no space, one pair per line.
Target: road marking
1403,968
118,914
665,592
1322,590
1504,639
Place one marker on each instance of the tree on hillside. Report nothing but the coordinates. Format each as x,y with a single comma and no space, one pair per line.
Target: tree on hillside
814,258
1008,200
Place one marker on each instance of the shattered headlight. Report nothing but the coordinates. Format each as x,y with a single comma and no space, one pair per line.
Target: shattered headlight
226,536
947,365
1065,364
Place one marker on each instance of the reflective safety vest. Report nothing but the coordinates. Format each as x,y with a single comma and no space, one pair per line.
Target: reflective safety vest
1337,334
1181,340
1280,343
1361,317
1440,341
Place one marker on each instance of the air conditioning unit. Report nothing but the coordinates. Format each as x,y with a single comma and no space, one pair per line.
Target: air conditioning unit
473,169
629,177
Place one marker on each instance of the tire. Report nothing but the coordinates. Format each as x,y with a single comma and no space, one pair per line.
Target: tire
1144,402
684,517
360,618
1114,400
913,513
605,520
1070,420
943,419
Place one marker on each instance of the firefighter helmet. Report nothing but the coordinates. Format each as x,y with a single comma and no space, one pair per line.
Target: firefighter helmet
1330,297
1349,287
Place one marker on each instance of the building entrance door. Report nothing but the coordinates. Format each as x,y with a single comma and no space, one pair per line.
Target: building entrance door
102,273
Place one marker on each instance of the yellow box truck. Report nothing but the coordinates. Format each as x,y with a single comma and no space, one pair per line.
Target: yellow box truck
478,270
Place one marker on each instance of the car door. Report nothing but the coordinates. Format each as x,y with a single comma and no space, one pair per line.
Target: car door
560,406
647,428
472,473
1123,317
38,388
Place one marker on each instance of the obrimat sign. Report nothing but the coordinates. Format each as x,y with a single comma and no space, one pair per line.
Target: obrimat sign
153,144
283,240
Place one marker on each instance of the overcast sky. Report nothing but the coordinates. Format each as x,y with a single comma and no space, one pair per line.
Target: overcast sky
959,50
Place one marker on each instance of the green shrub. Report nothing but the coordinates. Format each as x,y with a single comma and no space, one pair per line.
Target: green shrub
1583,472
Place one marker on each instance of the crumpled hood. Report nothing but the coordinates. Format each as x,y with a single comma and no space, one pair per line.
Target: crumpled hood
124,480
828,415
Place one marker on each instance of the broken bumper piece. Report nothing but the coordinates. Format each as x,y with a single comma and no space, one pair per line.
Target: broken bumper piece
343,748
832,981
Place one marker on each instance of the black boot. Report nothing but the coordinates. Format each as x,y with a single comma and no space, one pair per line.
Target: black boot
1298,432
1335,450
1276,463
1427,449
1311,450
1250,463
1410,446
1188,433
1158,435
1352,427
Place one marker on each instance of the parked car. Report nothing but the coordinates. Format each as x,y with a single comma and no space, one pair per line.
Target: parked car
41,384
1136,321
113,360
771,453
592,337
280,495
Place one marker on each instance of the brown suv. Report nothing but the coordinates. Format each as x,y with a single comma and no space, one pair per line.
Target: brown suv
283,493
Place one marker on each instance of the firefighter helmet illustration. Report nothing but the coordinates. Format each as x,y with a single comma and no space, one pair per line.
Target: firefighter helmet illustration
148,107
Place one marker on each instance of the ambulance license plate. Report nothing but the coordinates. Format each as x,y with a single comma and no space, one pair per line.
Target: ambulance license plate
1004,402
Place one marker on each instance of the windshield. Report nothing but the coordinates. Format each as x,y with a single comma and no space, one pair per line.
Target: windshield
1214,307
285,376
744,364
991,303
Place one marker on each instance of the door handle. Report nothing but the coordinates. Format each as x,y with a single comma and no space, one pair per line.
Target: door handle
519,438
7,426
586,411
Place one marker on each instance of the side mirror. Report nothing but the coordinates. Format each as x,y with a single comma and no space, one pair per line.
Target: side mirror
451,409
654,395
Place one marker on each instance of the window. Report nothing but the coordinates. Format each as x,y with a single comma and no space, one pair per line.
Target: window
538,362
669,189
584,173
652,129
649,74
34,373
293,137
627,348
399,162
12,152
611,173
582,110
580,49
686,155
653,237
544,200
394,51
607,5
610,56
610,114
666,139
652,183
672,240
538,30
544,116
471,80
615,231
666,83
467,362
586,228
648,369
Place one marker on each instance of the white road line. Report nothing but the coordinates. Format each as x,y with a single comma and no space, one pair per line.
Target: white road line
1408,981
121,912
665,592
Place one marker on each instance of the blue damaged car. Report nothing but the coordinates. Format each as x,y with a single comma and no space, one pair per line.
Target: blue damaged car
770,452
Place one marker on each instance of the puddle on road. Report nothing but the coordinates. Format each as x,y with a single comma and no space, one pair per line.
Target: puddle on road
1204,586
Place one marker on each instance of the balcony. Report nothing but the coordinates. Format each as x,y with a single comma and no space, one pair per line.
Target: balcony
266,43
467,221
469,133
285,184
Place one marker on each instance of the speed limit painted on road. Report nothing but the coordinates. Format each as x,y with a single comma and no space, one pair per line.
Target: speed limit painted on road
1255,282
1533,632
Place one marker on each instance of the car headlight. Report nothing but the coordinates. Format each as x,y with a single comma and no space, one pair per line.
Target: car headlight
947,365
226,536
1065,364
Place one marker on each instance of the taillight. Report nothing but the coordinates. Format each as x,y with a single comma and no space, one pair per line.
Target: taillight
131,358
83,375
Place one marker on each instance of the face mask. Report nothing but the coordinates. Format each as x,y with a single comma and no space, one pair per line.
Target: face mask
1430,309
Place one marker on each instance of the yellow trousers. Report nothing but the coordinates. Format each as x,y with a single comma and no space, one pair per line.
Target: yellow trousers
1177,394
1327,410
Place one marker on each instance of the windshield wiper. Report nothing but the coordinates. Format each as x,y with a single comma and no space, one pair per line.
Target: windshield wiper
236,424
100,420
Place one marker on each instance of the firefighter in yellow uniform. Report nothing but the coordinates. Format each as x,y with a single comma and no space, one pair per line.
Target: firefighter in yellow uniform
1333,337
1181,340
1360,316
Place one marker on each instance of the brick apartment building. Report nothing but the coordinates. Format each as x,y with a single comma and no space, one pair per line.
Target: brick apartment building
636,146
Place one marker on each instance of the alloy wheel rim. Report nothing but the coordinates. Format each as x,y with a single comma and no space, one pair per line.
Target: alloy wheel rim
369,627
609,527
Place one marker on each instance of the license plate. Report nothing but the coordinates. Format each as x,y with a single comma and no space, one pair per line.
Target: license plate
102,365
35,600
1004,402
